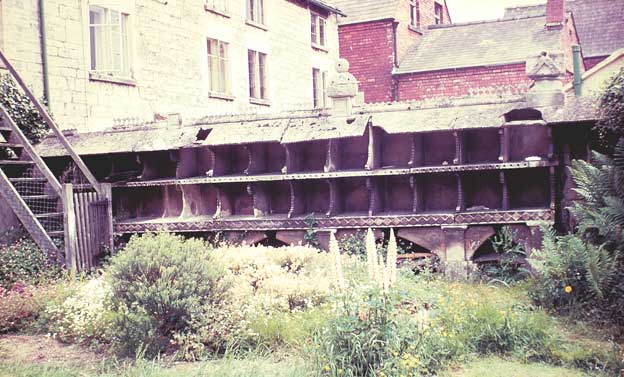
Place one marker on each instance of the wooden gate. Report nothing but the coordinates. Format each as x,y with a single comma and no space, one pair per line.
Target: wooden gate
88,225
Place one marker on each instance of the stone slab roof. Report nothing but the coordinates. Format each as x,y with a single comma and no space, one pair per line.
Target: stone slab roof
394,118
247,132
480,44
599,23
326,128
120,141
366,10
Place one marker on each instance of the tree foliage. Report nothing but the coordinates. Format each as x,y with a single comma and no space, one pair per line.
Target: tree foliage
611,125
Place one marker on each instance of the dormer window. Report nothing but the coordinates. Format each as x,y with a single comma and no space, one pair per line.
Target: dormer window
317,29
438,14
415,14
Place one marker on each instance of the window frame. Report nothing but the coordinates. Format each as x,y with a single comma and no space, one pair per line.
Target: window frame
255,13
125,73
213,6
439,18
415,14
318,30
258,77
319,93
220,58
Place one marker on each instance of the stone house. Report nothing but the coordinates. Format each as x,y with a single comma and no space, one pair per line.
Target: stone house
103,63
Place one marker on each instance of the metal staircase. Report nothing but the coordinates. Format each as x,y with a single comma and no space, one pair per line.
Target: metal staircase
27,184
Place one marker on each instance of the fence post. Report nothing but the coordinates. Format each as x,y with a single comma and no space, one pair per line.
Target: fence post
107,191
69,219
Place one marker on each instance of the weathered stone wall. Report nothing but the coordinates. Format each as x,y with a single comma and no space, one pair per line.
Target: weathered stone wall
169,56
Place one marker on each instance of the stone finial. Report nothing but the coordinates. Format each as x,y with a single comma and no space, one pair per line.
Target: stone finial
342,89
547,72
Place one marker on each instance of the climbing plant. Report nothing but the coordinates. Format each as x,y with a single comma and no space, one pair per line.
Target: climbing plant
22,111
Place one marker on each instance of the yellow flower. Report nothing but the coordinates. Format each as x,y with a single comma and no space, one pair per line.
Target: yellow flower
568,289
327,368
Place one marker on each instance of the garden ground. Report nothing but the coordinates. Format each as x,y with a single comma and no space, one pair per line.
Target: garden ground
37,355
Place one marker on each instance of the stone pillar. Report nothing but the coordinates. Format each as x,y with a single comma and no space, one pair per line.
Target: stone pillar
456,265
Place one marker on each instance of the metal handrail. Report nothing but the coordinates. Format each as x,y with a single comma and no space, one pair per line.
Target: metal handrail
57,132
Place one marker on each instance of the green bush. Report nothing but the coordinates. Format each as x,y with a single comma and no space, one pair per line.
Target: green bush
511,268
162,289
21,260
20,307
611,125
81,314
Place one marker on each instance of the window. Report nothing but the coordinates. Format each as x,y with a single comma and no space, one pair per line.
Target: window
218,70
415,14
318,88
317,29
255,11
439,13
220,6
110,44
257,75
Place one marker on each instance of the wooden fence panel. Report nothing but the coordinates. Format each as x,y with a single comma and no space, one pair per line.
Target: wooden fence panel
88,223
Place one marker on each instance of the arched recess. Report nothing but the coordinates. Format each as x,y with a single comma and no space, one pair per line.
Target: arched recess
478,241
429,239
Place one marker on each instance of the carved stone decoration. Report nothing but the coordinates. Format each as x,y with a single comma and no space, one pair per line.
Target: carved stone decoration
332,163
376,204
261,200
334,197
547,72
342,89
375,135
224,204
475,237
297,201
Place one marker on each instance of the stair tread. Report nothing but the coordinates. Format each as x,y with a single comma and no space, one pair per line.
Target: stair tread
56,233
40,197
27,179
11,145
16,162
6,129
48,215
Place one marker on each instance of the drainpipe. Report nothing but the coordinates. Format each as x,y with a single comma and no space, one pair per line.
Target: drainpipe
44,55
395,53
578,79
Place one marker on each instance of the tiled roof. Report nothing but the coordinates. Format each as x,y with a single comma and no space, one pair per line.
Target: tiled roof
366,10
480,44
599,23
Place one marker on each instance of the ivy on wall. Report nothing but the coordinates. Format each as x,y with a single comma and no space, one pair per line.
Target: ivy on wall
22,111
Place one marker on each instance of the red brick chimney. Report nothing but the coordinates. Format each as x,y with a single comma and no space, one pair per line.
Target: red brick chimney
555,12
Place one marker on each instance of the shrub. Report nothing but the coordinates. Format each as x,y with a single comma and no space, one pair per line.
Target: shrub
82,315
21,306
23,261
511,265
162,286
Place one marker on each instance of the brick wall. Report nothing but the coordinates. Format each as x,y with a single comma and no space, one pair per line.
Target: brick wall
369,48
169,58
463,82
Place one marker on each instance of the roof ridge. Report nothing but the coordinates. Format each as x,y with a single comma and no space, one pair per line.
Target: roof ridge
481,22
